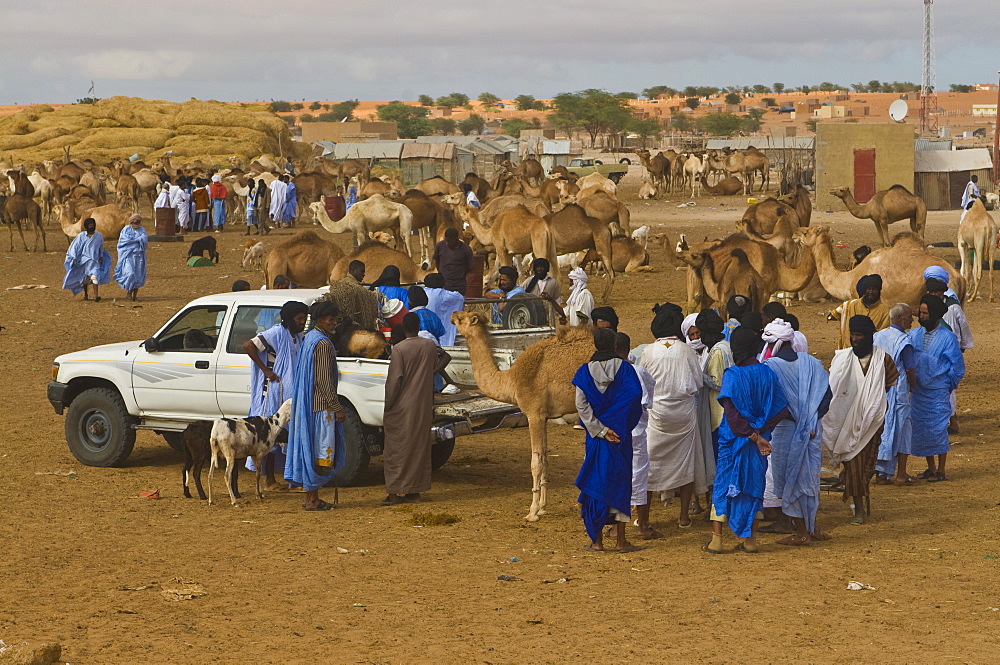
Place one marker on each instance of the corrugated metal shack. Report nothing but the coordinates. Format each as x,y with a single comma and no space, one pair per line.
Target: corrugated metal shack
487,155
940,176
424,160
384,153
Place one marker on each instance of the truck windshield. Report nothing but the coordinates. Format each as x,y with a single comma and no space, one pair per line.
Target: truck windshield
196,330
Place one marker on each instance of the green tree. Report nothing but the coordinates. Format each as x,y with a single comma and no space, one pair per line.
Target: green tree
627,95
756,113
536,123
733,98
805,88
721,124
339,111
690,91
474,124
594,111
488,99
658,90
769,101
811,124
425,100
692,102
751,121
315,106
961,87
280,106
646,129
411,121
734,89
297,106
859,87
514,127
307,117
682,122
527,103
761,89
826,86
453,100
706,91
778,87
444,125
87,100
874,86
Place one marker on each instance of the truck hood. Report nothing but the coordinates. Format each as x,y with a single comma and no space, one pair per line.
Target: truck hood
114,352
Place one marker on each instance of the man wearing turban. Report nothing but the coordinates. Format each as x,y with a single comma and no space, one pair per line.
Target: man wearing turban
868,303
852,429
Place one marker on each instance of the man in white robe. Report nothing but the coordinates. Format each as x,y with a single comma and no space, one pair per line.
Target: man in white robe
640,450
672,433
279,191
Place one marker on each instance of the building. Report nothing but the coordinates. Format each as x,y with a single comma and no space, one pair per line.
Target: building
984,110
941,175
867,158
384,153
422,160
487,155
358,132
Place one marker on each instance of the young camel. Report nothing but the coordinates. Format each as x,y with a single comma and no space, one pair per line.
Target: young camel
19,209
888,206
976,233
539,383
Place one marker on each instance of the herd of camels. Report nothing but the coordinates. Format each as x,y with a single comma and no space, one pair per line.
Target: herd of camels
774,250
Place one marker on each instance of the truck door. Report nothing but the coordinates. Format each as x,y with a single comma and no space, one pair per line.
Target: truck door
232,376
178,378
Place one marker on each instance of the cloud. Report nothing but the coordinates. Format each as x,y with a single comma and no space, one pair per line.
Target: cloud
135,64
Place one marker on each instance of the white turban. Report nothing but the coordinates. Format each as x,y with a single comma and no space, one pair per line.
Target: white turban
217,178
778,332
578,279
687,324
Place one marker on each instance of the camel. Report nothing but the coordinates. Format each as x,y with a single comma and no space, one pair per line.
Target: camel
887,206
627,256
658,167
380,186
96,186
437,186
44,194
376,257
754,160
305,258
18,208
552,192
740,278
693,169
481,187
647,191
514,231
127,191
20,184
976,234
539,383
146,183
726,187
763,217
374,214
313,185
573,230
427,215
609,210
730,162
497,205
780,227
901,265
707,264
110,219
799,199
598,180
529,169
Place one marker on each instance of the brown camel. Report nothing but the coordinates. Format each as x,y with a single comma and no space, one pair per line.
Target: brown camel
497,205
312,186
127,191
540,383
376,256
627,256
437,186
380,186
726,187
573,230
658,166
427,215
901,265
799,199
783,226
600,182
481,187
305,258
740,278
763,217
530,169
612,212
345,170
515,231
731,162
552,192
976,234
110,219
20,184
887,206
18,209
754,160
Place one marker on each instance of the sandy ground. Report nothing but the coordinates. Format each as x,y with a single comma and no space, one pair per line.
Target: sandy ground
85,562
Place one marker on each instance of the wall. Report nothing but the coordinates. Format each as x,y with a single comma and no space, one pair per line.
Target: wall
835,146
340,131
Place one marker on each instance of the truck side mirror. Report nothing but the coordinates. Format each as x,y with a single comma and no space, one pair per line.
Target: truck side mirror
151,345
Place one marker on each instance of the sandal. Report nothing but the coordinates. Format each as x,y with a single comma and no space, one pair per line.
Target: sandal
927,474
322,505
937,478
706,548
740,547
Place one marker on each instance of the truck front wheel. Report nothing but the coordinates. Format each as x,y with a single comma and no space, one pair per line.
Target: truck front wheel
616,177
99,429
356,457
440,452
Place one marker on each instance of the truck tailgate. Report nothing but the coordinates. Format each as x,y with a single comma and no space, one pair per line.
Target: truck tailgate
471,412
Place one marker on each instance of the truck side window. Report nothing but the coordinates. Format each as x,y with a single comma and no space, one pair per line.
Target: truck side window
250,322
194,331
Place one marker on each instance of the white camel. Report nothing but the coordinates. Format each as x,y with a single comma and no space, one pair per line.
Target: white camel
376,213
976,234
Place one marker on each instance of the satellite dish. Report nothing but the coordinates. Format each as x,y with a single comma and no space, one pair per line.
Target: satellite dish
898,109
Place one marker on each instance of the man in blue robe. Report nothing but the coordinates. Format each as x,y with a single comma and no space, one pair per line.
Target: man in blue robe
429,321
798,443
316,433
609,402
130,272
939,369
444,303
753,402
894,449
291,201
87,263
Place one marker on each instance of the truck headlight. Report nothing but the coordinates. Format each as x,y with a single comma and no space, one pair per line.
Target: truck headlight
55,371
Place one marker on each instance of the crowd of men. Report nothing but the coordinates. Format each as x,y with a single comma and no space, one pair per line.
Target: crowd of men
737,412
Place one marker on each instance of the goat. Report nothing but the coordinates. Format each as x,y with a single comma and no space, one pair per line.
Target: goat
197,449
641,236
245,437
253,256
202,245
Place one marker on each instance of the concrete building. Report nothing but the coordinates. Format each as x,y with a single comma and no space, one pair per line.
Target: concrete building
866,158
356,132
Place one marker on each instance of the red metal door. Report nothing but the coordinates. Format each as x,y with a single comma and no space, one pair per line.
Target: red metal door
864,175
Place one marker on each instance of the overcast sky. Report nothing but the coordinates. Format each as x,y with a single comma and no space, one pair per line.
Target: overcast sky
334,50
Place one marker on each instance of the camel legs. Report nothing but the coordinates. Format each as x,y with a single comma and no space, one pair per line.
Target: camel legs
883,231
20,232
537,424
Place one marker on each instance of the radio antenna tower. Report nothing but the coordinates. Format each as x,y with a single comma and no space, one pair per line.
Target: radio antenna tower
928,96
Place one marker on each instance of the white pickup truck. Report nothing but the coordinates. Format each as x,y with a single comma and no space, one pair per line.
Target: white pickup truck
194,368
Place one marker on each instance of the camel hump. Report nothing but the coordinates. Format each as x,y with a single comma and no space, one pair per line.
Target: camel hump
739,255
900,187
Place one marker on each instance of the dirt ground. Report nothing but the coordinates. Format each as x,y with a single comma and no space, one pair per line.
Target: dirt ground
85,562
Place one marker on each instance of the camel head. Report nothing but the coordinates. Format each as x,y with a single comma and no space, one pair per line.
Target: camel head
840,192
811,236
383,237
694,258
467,321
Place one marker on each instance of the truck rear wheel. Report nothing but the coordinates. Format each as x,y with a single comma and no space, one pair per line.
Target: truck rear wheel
625,160
173,439
99,429
615,177
440,452
356,457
